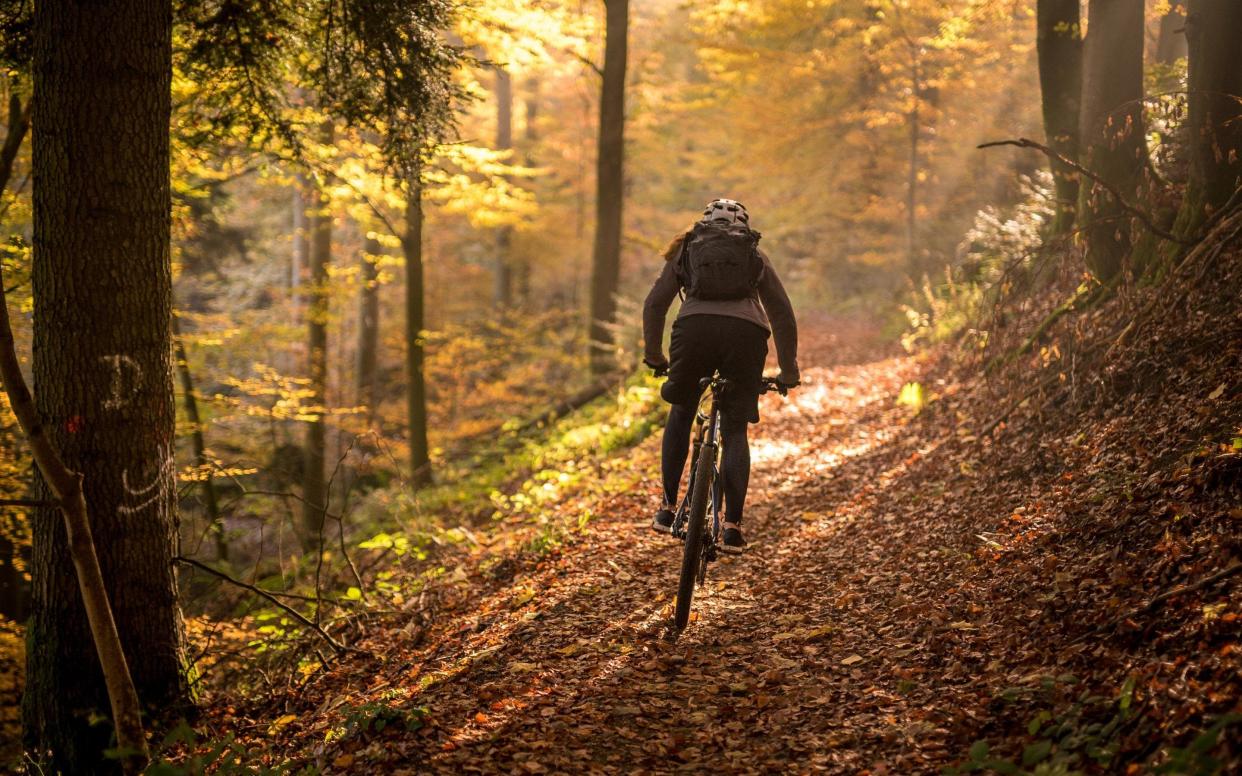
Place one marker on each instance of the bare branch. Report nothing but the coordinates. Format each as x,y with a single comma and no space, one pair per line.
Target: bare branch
336,645
1137,212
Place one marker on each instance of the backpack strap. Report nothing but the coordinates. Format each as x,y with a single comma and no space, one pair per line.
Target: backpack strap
683,274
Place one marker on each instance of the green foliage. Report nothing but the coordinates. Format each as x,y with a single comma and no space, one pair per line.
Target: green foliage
383,67
913,396
374,717
999,255
1086,736
1196,759
182,753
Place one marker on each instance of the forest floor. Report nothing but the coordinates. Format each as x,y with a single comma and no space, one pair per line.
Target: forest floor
917,594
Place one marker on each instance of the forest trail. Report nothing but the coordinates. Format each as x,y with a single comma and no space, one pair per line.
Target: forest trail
782,660
809,651
912,590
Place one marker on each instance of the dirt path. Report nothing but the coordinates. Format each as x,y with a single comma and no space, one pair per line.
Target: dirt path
750,684
907,593
793,658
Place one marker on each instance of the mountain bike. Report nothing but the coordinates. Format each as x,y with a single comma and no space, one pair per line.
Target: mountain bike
704,491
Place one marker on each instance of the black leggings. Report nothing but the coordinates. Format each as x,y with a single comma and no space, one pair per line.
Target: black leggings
734,464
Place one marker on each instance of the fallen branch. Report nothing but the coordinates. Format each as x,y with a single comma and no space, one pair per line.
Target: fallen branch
1133,210
1159,600
302,619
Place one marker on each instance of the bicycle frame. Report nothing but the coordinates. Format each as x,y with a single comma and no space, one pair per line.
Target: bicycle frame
707,434
690,524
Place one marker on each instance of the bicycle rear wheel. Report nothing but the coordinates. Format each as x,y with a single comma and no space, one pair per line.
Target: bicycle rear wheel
695,528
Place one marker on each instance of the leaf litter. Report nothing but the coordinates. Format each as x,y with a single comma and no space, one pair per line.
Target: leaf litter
917,595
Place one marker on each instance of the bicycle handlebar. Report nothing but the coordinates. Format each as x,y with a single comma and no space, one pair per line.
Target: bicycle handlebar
768,384
772,384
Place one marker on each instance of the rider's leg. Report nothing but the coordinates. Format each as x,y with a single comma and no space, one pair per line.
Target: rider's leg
734,466
675,449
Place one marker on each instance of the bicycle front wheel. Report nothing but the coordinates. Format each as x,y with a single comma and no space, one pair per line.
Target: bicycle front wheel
695,528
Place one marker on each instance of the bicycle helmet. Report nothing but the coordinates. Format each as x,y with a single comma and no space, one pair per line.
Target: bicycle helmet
726,211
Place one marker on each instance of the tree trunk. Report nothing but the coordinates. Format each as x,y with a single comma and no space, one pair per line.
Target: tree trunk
1059,40
314,490
301,242
1213,28
1171,45
368,326
415,380
524,270
1111,128
912,172
502,292
102,367
190,403
609,190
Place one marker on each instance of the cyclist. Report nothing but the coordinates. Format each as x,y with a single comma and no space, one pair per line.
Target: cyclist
721,330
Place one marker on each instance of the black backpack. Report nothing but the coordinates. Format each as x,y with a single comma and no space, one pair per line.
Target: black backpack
720,262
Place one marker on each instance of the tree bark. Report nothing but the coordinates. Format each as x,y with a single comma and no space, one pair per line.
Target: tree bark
1213,29
415,379
189,401
502,291
368,326
1111,128
1059,41
609,190
301,241
314,490
1171,45
912,170
102,369
524,270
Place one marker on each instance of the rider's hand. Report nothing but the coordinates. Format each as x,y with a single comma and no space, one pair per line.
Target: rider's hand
660,366
788,381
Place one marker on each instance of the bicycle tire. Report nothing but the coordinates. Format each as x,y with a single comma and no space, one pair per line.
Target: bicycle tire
692,554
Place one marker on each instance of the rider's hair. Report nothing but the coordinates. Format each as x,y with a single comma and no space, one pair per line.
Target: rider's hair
673,250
